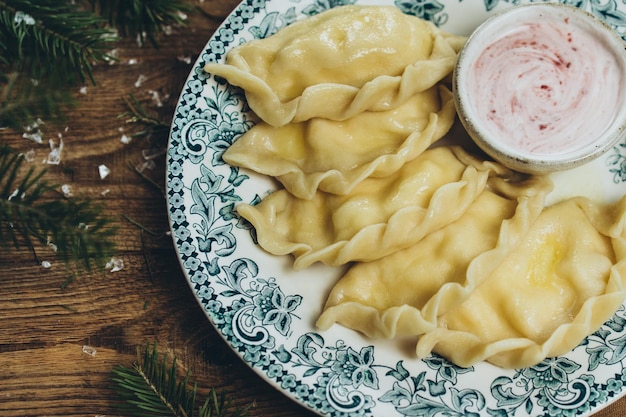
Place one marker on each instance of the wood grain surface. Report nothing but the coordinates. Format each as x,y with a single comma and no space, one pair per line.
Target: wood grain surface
45,327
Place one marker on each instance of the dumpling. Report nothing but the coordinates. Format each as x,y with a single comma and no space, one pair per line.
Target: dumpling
379,216
557,286
403,293
334,156
339,63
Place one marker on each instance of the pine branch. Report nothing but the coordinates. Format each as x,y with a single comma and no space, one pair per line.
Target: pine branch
53,39
22,101
32,212
151,387
143,19
137,114
46,47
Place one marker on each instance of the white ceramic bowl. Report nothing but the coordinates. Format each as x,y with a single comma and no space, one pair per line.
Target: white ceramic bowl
542,87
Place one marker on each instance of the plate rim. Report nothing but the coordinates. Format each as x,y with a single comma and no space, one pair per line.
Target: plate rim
240,10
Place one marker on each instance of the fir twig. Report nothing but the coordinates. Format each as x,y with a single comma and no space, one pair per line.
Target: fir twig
138,115
31,212
46,46
140,18
145,178
51,38
140,226
22,101
151,387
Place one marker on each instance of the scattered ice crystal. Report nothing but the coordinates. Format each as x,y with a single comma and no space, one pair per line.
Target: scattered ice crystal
46,264
34,125
140,80
66,189
112,56
104,171
115,264
54,157
152,153
156,98
149,164
21,17
140,37
125,139
184,58
89,350
29,156
34,136
14,194
83,89
33,132
52,246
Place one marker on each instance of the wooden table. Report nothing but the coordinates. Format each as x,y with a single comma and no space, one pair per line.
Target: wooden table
45,328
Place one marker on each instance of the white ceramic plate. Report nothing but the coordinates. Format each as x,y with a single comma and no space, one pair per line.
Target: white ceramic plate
266,312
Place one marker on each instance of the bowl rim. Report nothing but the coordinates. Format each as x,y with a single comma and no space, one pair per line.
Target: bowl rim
519,159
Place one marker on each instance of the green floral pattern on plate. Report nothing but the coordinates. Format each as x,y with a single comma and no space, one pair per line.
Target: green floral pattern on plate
261,316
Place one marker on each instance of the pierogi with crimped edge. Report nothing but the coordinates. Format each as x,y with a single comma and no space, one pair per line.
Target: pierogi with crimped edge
334,156
379,216
444,246
560,283
402,294
339,63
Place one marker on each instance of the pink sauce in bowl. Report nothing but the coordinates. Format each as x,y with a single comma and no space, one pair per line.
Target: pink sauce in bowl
540,87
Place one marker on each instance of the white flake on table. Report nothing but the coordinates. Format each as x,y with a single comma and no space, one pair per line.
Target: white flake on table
115,264
54,157
32,131
104,171
140,80
66,189
25,18
14,194
29,156
156,98
88,350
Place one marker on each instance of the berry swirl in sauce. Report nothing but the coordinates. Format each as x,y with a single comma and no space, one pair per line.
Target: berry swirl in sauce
546,86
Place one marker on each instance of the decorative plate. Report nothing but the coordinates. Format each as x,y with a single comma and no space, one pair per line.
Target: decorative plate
266,312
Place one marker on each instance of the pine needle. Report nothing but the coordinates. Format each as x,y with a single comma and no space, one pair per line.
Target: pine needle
22,101
151,387
33,212
47,46
142,19
53,39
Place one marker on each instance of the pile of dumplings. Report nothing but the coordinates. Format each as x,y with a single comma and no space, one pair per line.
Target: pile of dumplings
441,243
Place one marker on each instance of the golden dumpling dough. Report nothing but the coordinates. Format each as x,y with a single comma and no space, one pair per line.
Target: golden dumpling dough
559,284
339,63
403,293
334,156
379,216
